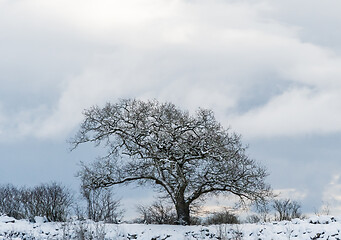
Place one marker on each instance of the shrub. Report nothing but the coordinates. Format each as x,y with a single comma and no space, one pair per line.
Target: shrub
222,217
52,201
286,209
101,205
253,219
10,201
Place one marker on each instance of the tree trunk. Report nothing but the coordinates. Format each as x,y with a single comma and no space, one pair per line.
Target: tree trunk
182,211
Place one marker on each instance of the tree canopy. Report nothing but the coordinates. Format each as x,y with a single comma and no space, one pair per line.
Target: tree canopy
186,156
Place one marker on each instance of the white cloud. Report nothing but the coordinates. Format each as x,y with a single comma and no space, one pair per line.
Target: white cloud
295,112
194,53
290,193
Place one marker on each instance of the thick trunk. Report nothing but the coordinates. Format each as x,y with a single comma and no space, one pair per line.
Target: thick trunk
182,210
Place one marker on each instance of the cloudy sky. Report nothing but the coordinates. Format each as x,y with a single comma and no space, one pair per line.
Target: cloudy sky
270,69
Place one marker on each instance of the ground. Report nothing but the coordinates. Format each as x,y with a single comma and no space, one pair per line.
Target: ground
317,227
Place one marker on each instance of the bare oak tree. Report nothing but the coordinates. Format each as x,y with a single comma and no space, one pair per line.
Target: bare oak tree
185,156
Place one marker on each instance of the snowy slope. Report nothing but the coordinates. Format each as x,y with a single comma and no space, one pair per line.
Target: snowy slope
324,227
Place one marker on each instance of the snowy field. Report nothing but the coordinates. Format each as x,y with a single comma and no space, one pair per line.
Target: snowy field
323,227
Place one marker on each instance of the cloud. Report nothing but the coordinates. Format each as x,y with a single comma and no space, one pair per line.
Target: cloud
290,193
315,19
235,57
295,112
332,196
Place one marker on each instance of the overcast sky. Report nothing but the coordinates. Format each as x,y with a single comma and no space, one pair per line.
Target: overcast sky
270,69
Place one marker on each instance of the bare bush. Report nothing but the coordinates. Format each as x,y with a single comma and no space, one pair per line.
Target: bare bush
324,210
10,201
52,201
101,205
80,211
222,217
263,208
253,219
157,213
286,209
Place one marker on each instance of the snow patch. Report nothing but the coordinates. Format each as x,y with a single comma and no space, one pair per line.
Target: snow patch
316,227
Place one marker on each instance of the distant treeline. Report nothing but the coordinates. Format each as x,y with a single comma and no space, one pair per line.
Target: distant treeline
57,203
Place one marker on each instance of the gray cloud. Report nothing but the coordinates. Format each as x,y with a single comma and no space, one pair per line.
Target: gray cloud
197,54
317,21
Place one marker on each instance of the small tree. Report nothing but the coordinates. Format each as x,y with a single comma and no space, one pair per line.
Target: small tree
184,156
52,201
286,209
101,206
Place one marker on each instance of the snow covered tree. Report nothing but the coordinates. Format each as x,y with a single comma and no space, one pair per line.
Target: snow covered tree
187,157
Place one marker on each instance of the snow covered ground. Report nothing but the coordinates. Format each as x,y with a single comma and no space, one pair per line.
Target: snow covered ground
323,227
